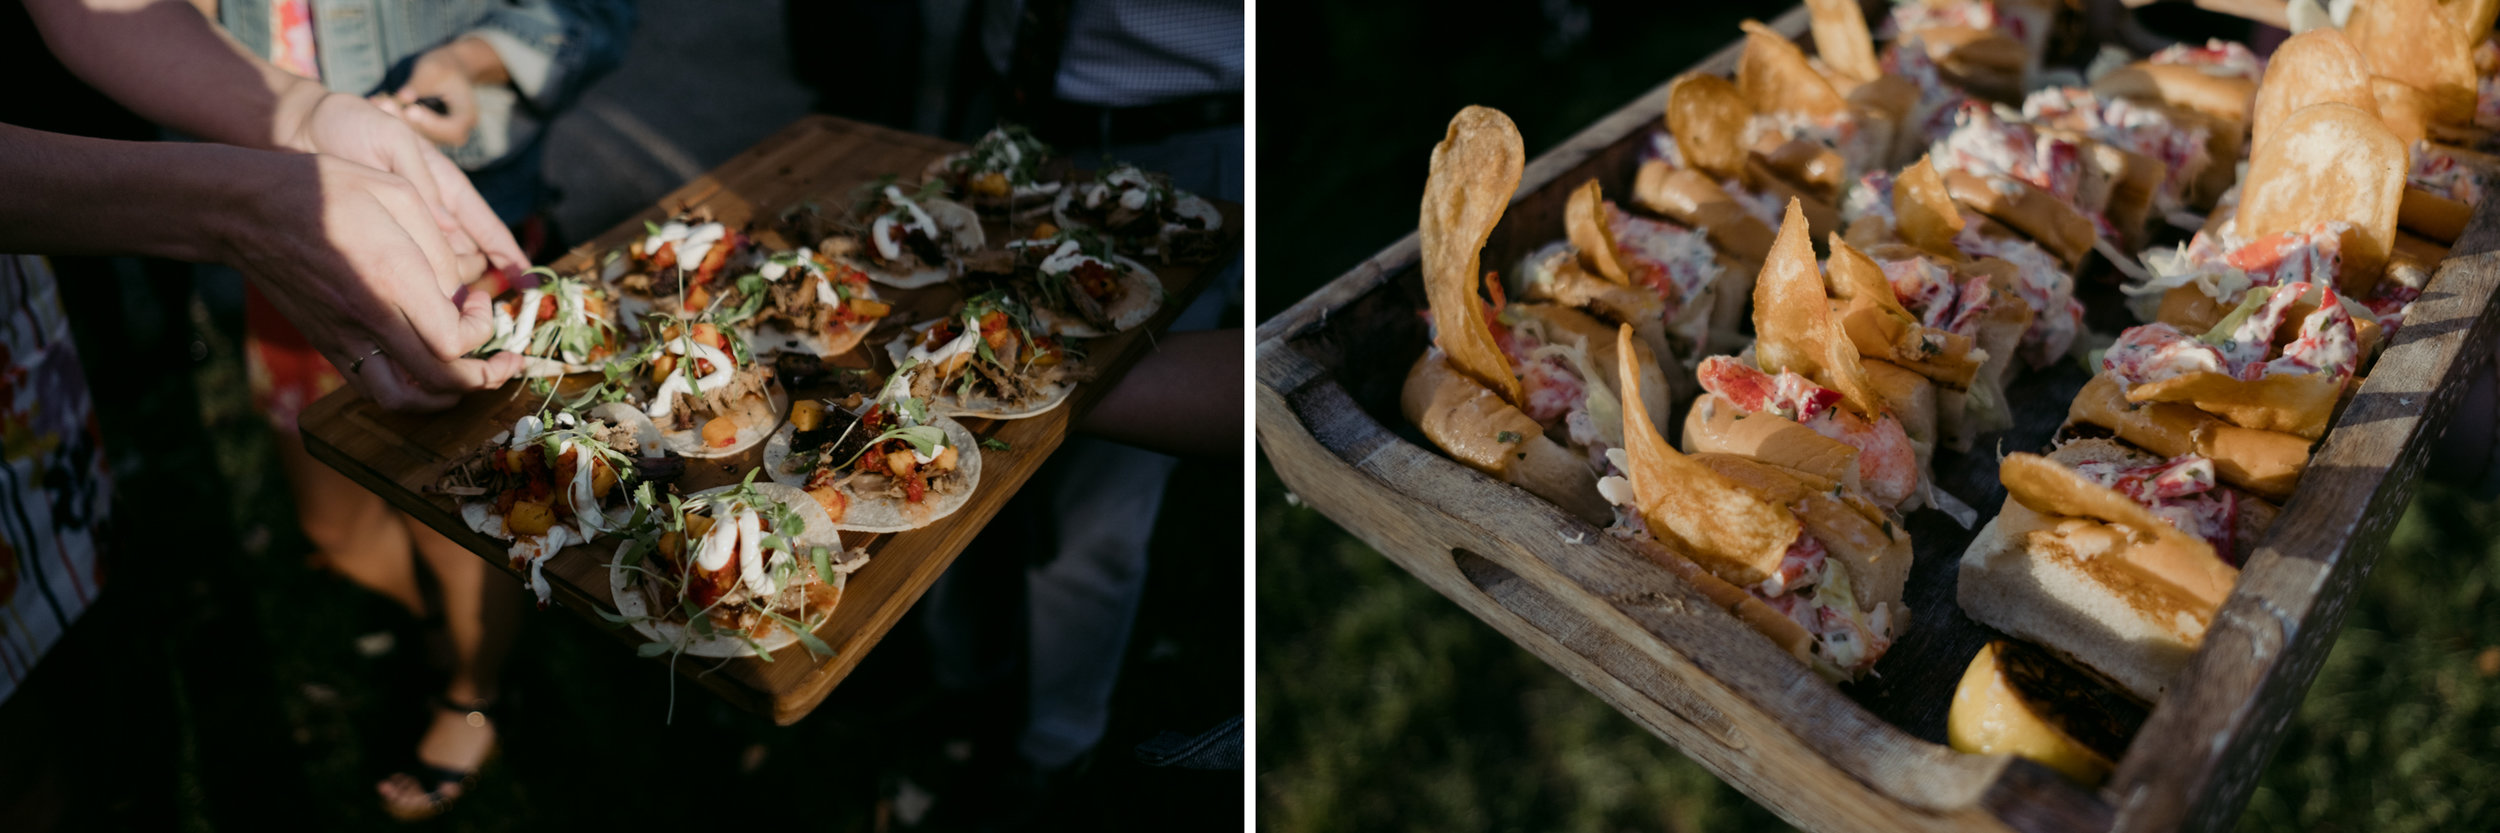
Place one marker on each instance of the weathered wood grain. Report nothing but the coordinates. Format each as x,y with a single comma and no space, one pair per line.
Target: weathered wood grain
1866,756
824,158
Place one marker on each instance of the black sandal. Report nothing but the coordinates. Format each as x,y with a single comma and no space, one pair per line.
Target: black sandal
435,779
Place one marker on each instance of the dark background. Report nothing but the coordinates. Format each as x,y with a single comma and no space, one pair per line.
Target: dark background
1382,706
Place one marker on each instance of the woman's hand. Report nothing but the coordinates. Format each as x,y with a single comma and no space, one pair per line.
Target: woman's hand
354,130
449,73
355,258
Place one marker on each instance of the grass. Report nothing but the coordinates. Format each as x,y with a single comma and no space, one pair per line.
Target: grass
1382,706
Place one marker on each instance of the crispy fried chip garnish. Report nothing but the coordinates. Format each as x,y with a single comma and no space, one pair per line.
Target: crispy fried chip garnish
2315,66
2406,111
1734,534
2328,162
1926,215
2471,16
1707,117
1841,39
1793,320
2413,42
1774,77
1475,169
1584,220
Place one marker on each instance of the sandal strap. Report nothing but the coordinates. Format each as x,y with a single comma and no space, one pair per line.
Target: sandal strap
479,711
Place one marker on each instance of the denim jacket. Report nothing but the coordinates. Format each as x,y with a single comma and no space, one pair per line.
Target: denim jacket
553,49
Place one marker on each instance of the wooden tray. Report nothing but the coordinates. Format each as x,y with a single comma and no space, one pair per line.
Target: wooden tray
398,455
1867,756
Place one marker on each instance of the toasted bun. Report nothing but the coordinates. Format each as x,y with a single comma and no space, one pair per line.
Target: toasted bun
1692,198
2017,700
1475,427
1912,398
2268,463
2184,86
2328,162
2406,111
1881,328
2060,228
2105,593
2433,216
1716,426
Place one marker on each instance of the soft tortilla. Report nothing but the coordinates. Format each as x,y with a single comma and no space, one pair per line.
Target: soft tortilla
754,416
877,513
633,604
983,405
1141,293
963,236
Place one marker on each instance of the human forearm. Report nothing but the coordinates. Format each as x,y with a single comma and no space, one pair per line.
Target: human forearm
167,63
1184,398
71,195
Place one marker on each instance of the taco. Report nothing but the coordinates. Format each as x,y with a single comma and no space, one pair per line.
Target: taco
562,326
987,359
889,468
1001,173
807,303
909,240
552,481
706,393
677,266
1078,287
1142,213
733,571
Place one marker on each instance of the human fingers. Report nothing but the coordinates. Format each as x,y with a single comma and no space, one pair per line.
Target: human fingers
381,380
416,221
470,212
451,130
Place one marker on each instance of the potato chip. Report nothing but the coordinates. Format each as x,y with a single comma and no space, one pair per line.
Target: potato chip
1879,327
1475,169
1707,117
1734,534
1774,77
2473,17
2406,111
2328,162
2052,489
1924,210
2412,42
1841,39
1584,221
1793,319
2315,66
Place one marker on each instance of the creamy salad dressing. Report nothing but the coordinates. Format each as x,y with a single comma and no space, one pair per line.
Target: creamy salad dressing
693,242
663,402
2218,57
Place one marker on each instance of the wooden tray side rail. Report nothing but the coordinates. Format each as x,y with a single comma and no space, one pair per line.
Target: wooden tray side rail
2266,644
1650,645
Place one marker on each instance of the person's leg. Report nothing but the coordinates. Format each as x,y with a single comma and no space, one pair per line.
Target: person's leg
353,532
1083,600
481,611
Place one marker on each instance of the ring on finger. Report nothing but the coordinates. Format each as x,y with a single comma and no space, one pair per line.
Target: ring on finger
359,364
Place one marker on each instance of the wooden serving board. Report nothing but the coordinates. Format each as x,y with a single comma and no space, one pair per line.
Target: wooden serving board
1867,756
817,158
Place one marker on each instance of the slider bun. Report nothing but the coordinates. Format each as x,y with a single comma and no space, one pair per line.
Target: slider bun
1475,427
2078,587
2267,463
1716,425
